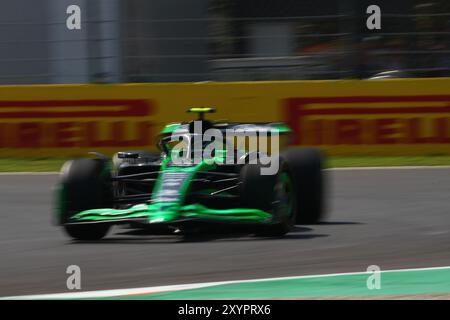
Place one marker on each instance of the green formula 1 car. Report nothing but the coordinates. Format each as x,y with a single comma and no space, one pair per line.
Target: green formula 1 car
169,192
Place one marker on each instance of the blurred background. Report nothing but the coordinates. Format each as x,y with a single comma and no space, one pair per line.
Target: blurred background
220,40
384,218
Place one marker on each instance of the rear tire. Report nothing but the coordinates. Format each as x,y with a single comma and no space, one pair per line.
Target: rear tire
84,184
306,169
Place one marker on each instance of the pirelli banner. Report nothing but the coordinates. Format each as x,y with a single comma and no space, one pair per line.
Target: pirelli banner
369,117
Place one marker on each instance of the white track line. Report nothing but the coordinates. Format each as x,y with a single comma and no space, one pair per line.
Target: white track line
159,289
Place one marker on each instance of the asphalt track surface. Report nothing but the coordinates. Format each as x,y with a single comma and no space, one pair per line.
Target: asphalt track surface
393,218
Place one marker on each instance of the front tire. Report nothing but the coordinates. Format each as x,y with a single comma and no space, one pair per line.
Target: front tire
306,169
268,193
84,184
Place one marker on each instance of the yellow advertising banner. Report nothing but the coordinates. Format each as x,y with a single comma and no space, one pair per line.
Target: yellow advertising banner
347,117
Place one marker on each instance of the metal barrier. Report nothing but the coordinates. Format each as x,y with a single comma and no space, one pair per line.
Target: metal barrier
131,43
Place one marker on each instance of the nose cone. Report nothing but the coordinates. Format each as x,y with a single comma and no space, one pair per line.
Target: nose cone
163,212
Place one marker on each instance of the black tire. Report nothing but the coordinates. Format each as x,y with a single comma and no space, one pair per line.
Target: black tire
86,185
256,190
259,192
306,168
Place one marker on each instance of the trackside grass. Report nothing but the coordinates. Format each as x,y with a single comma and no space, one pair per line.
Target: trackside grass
387,161
54,164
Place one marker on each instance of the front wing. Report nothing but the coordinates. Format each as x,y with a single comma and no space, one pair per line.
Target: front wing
171,213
